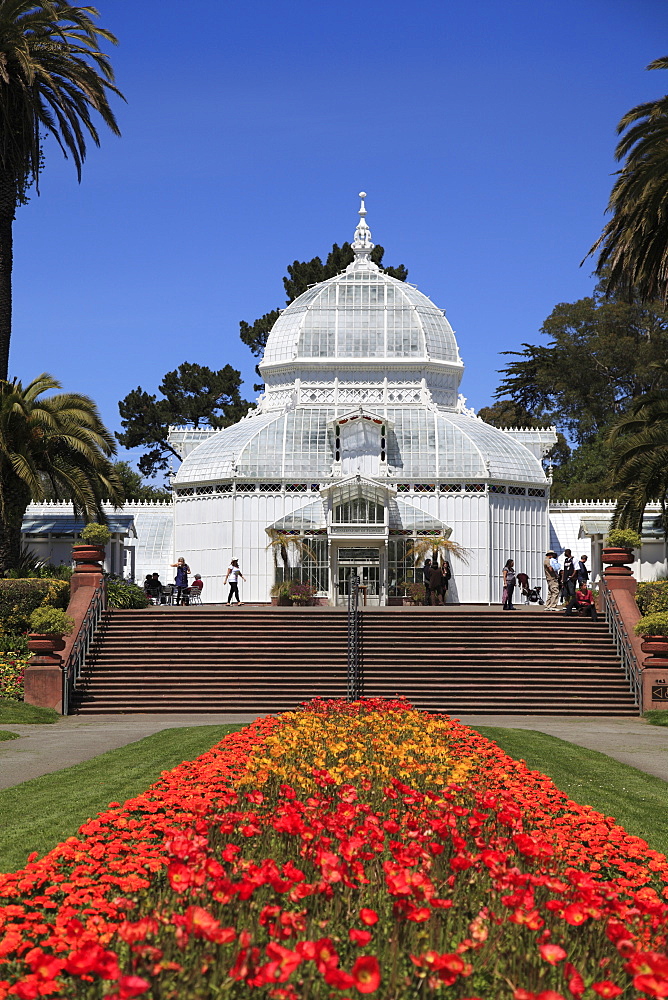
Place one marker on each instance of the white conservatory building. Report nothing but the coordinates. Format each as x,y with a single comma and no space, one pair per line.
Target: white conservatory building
359,448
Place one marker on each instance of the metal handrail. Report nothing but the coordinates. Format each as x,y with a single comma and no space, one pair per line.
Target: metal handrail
84,640
623,644
355,689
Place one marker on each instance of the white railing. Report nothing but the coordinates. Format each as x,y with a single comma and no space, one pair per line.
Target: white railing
84,640
622,640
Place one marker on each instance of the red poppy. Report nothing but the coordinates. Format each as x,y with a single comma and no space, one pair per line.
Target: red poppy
366,974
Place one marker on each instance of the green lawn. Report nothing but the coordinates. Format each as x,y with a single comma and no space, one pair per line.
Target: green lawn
657,717
638,801
5,735
38,814
16,712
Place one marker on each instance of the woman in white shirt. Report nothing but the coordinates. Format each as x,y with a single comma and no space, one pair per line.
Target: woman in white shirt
233,575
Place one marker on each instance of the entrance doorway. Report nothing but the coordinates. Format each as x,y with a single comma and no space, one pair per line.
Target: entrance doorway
366,563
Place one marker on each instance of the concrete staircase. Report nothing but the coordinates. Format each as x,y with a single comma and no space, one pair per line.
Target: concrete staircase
459,660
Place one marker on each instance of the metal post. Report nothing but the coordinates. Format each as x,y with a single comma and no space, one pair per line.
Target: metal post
355,683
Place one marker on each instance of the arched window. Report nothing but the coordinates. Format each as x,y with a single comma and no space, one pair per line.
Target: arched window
359,511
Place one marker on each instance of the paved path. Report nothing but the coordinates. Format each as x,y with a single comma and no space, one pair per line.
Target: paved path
44,749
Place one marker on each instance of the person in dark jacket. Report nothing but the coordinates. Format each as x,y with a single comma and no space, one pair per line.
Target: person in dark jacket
426,569
435,582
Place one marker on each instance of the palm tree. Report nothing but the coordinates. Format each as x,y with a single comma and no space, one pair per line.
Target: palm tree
640,447
55,447
439,546
281,541
633,248
52,76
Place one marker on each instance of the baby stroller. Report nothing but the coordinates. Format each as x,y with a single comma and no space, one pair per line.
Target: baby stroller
531,596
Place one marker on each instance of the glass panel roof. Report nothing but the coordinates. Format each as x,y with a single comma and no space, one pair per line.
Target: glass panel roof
361,313
423,444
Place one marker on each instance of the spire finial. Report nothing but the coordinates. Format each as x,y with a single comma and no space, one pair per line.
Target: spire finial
362,245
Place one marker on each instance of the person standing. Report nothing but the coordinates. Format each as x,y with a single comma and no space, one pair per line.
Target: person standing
508,585
233,575
181,580
426,569
435,582
446,573
582,573
551,570
568,579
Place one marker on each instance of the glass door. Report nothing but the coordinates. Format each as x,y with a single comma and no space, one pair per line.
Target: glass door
366,563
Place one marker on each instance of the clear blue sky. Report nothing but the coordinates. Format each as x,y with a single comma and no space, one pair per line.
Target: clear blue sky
483,132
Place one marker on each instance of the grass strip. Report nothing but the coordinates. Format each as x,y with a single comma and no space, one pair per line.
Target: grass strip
6,735
38,814
657,717
638,801
17,712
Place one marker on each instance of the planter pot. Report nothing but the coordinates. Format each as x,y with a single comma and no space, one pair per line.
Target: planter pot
45,649
617,562
88,558
42,643
283,602
656,646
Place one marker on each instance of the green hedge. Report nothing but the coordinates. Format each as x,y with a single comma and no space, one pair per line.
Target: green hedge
19,598
652,597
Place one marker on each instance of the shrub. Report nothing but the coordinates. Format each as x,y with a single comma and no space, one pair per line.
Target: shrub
652,597
12,670
623,538
121,594
51,621
95,534
302,592
18,598
416,592
654,624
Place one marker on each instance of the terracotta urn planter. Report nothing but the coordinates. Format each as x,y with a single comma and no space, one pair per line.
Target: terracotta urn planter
617,562
46,646
88,558
657,647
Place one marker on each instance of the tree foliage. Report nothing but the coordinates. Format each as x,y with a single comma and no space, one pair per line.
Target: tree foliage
601,357
134,487
639,444
301,275
50,447
53,77
193,395
633,248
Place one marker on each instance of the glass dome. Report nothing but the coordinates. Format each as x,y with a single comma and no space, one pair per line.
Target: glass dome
361,313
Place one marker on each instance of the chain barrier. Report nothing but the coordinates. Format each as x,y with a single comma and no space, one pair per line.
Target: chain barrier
355,677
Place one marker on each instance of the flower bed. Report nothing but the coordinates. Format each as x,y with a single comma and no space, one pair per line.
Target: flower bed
337,852
12,670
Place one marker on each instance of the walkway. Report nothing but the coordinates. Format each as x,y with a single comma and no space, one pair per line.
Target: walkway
44,749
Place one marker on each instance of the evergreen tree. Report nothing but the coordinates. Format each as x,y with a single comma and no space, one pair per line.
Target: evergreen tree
193,396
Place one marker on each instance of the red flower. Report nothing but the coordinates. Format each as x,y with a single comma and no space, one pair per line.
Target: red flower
361,938
552,953
368,917
366,974
606,989
575,981
132,986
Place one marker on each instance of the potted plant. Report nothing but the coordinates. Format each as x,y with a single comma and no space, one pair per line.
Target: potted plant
302,593
89,553
48,626
654,631
618,546
416,594
280,594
